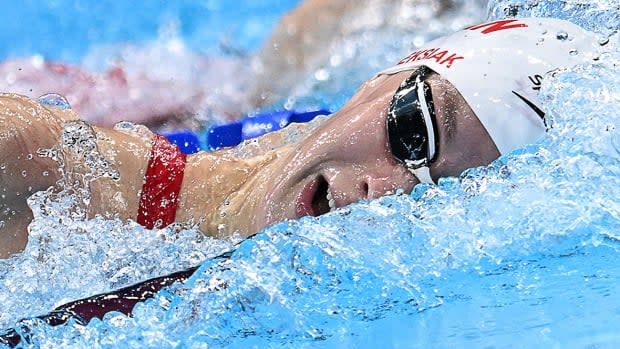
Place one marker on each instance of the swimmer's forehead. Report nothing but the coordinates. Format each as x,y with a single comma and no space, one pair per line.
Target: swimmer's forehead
387,84
498,66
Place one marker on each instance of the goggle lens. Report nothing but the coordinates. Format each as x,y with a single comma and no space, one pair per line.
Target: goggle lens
410,129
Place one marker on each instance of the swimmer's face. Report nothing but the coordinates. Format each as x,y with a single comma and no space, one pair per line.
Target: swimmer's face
348,158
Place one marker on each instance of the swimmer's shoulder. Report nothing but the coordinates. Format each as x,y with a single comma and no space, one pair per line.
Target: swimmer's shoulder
31,116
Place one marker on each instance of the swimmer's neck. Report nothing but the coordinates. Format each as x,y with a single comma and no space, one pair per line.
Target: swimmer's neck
218,192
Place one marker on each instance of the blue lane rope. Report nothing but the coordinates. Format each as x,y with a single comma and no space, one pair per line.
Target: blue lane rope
231,134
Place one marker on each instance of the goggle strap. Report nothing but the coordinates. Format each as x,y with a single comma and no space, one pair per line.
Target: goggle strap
423,174
427,119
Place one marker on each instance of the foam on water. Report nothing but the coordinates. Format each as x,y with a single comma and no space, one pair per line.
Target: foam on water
376,37
69,256
599,16
67,29
521,253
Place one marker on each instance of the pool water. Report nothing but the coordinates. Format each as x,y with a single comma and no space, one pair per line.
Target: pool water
520,254
68,30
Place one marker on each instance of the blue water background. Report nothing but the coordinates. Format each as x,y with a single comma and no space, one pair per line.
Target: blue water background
67,29
520,254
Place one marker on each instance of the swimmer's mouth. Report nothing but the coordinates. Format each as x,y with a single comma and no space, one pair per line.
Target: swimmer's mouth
320,201
316,199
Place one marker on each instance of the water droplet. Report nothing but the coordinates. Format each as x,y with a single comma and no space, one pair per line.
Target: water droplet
290,103
220,228
29,157
603,41
573,52
344,211
335,60
124,125
321,75
24,174
37,61
419,40
562,35
47,153
45,173
55,100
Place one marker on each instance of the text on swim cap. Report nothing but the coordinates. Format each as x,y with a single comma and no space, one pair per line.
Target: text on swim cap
536,81
446,58
441,56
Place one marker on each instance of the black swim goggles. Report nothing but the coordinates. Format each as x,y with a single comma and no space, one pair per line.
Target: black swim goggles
411,125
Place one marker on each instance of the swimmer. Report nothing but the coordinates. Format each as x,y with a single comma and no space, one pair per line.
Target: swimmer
309,37
197,89
459,102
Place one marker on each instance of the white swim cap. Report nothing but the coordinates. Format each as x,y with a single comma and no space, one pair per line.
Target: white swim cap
498,67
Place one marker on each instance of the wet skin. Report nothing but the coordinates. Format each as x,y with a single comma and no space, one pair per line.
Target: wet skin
348,157
344,160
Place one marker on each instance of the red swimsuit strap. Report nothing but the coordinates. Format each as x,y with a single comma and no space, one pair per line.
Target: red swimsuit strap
162,183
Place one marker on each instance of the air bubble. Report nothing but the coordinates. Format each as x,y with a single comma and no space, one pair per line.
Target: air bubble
335,60
80,138
321,75
124,126
562,35
54,100
290,103
221,228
